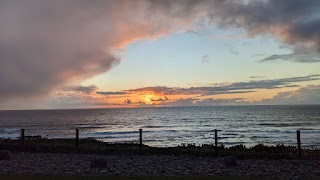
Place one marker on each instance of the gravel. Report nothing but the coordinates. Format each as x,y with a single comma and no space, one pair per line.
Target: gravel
154,165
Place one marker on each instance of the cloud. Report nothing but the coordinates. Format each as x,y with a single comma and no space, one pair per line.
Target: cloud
206,102
127,101
74,100
226,36
47,44
220,102
232,49
83,89
111,93
293,57
205,59
160,99
156,89
182,102
292,85
198,32
245,43
305,95
295,23
229,88
256,77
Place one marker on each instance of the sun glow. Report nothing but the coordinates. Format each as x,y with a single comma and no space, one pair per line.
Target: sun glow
148,98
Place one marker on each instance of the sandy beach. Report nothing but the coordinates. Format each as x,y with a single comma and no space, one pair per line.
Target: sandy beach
154,165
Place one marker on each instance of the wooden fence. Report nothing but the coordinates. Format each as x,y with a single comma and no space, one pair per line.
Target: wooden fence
22,139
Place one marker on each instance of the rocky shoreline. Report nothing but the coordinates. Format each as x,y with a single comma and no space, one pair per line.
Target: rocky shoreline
153,165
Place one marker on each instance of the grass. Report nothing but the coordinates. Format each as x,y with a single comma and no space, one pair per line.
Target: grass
92,146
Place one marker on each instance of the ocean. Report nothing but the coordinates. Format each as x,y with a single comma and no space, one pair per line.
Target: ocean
172,126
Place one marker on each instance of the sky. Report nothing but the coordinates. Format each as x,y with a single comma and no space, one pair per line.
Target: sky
150,53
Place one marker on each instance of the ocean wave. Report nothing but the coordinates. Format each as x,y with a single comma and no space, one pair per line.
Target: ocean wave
156,126
114,133
10,133
289,124
91,127
10,130
261,137
9,136
229,134
212,118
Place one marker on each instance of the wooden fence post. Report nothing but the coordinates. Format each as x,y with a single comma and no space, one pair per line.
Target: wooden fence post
77,138
216,141
140,139
22,137
299,143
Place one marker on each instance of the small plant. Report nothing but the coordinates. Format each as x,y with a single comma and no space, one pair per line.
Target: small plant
191,145
240,147
208,145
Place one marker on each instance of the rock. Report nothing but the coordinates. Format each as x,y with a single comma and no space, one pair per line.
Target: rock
230,161
103,171
98,163
5,155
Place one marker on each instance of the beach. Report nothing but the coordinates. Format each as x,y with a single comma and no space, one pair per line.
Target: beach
72,164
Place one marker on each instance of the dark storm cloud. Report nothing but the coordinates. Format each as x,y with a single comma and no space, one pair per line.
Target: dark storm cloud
45,45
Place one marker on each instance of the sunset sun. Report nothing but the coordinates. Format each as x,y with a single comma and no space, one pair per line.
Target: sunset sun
148,99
